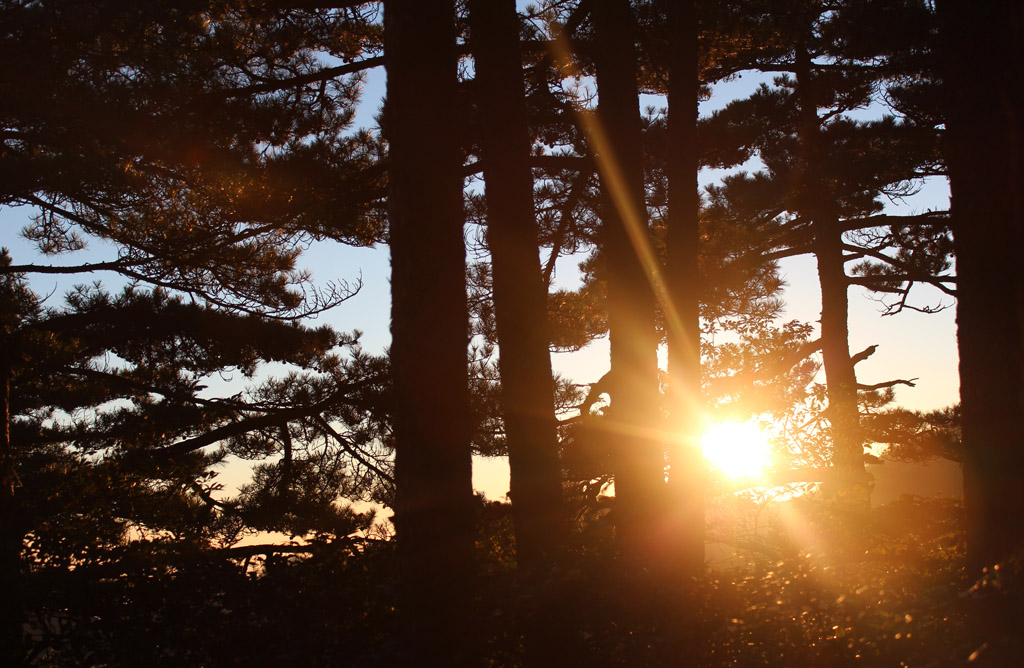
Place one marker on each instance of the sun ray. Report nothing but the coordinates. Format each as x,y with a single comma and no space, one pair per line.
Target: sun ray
633,220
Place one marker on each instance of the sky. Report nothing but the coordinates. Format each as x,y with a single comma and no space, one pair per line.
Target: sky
911,345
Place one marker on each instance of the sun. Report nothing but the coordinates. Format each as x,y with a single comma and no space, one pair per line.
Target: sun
737,449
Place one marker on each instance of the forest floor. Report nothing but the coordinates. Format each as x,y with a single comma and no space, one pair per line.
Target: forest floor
891,592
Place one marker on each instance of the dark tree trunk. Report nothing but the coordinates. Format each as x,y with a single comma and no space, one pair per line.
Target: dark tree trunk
433,465
628,265
815,202
986,120
686,482
840,378
10,534
519,292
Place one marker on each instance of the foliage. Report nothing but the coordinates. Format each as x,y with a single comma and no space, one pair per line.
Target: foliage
915,436
111,425
203,146
892,596
197,140
209,144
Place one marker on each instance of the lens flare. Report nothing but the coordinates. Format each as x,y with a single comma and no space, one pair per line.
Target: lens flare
738,450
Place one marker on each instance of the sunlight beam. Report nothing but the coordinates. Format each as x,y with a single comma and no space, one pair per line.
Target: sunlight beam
611,174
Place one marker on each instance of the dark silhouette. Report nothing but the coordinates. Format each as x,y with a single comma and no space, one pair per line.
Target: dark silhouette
682,282
816,201
519,293
818,173
429,321
982,67
634,418
147,511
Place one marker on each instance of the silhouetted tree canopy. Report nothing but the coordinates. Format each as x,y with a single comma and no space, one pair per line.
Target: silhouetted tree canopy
193,471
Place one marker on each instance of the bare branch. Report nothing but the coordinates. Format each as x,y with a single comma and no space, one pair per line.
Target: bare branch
112,265
928,310
864,354
887,384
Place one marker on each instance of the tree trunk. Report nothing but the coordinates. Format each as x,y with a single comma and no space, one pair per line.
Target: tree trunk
815,202
852,482
628,265
429,329
11,536
686,482
519,292
985,120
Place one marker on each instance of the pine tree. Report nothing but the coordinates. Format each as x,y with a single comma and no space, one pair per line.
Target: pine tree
682,322
429,321
819,192
111,434
628,264
982,76
208,144
519,294
180,136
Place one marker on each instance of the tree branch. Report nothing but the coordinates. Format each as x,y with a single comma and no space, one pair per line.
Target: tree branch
912,274
146,387
325,74
770,370
930,218
246,551
324,4
579,163
112,265
244,426
602,386
864,354
210,501
873,281
565,220
887,384
351,449
792,251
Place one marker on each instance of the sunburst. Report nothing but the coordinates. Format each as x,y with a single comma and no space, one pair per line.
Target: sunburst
737,449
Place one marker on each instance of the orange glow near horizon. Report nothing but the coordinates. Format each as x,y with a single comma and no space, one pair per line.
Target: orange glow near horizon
739,450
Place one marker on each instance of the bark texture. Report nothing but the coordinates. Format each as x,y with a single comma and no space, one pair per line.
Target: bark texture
433,466
519,291
815,203
634,412
983,68
11,536
686,482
